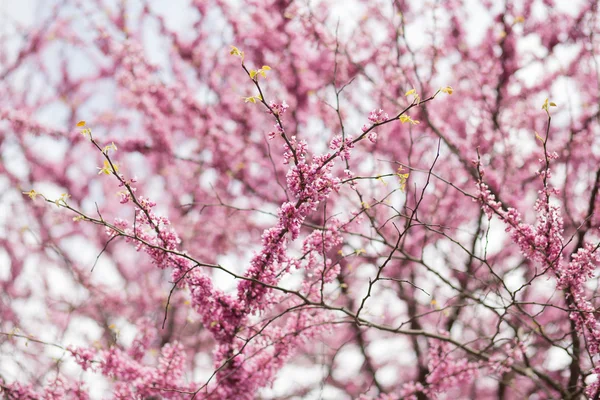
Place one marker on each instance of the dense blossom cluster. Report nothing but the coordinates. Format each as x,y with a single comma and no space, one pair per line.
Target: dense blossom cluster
544,244
154,235
446,371
378,116
311,184
343,146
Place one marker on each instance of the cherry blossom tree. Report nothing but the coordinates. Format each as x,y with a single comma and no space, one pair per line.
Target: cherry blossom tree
283,199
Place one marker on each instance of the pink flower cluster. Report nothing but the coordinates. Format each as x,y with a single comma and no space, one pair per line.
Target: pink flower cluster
125,195
297,147
511,352
544,243
311,184
375,117
266,355
446,372
572,280
137,380
56,389
153,234
410,390
277,109
343,146
378,116
318,243
83,356
487,200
